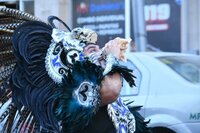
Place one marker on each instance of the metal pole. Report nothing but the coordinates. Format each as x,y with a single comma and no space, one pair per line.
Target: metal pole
127,23
139,24
184,26
21,5
198,52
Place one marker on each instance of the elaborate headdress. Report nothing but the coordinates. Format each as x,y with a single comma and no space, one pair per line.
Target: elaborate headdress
51,85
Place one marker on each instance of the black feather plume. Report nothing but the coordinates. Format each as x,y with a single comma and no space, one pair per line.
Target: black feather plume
141,124
75,116
125,72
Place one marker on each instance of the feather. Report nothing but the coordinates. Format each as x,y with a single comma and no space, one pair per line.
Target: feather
18,14
125,72
35,82
75,116
11,116
5,97
141,124
25,50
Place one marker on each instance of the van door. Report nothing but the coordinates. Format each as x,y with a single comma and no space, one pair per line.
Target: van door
139,93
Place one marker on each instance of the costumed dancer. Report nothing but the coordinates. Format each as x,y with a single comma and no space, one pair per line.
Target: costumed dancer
48,83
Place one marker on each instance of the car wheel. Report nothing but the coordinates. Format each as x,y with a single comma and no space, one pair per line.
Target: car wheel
161,130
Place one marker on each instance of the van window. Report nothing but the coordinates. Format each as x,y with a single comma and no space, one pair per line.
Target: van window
127,90
187,67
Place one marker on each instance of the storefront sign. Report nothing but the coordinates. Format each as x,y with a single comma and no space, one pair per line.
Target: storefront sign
106,17
163,24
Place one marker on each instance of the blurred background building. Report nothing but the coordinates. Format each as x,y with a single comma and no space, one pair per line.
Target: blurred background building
170,25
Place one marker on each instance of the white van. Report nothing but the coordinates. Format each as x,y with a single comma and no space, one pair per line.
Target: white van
168,88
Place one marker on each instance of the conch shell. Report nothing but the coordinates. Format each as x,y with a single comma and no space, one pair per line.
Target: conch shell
123,47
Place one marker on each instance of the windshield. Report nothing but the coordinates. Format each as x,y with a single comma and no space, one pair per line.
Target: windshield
186,66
